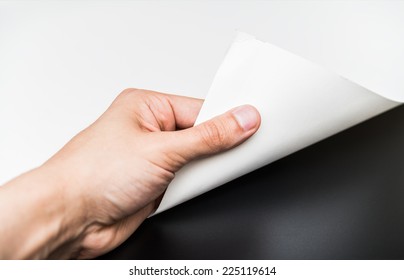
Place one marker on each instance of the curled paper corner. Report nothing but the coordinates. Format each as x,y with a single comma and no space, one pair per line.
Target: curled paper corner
300,103
396,96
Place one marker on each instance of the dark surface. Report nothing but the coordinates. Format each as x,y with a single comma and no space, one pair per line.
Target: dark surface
342,198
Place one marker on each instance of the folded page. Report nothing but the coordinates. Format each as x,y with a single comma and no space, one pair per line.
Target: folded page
300,103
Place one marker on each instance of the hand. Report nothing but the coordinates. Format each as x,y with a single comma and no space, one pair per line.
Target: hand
111,175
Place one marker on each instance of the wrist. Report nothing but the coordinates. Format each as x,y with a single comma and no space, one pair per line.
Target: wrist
69,211
46,215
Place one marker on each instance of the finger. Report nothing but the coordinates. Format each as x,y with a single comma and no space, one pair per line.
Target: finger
185,109
218,134
169,111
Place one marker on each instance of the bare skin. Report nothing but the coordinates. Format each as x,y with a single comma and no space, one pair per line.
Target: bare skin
96,191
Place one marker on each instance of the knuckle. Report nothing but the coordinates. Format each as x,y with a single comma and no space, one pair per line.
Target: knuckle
128,91
135,93
214,135
130,95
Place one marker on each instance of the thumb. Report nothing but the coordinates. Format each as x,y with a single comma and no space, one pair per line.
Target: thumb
218,134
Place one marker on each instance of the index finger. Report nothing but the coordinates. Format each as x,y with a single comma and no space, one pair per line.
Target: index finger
185,109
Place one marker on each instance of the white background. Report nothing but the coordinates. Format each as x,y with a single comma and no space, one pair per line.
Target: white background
285,270
62,63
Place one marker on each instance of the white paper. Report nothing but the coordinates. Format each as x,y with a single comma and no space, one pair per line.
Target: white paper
300,103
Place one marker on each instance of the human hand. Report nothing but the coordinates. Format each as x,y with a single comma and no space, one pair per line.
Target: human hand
113,173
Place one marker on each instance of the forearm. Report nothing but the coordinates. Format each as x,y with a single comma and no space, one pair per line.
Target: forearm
38,215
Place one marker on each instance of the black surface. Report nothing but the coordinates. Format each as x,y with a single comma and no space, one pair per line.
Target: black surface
342,198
